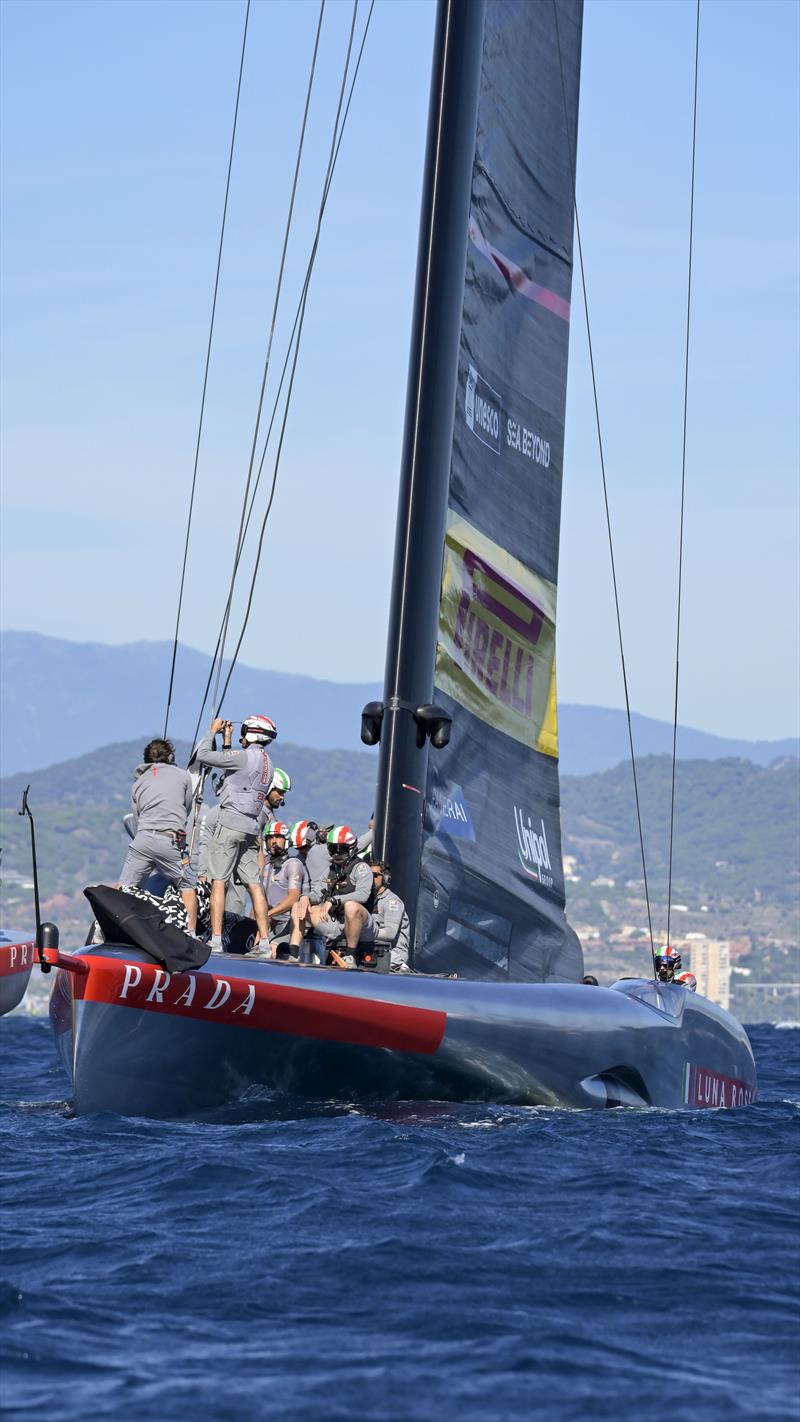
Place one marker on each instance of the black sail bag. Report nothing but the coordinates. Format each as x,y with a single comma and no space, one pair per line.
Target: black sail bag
128,921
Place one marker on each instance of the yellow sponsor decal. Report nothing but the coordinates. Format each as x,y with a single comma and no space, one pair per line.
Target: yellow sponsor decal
497,638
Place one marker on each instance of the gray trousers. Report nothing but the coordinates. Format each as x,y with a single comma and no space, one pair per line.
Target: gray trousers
237,899
152,851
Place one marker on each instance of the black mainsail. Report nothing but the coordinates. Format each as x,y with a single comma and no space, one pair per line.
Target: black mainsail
481,847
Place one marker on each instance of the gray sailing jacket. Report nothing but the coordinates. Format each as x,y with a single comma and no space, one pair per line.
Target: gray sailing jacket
247,779
278,879
391,925
161,797
318,863
360,876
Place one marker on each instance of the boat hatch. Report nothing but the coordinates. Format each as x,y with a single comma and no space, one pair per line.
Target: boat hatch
668,1000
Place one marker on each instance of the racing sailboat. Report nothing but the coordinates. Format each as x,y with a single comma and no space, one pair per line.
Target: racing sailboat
468,798
16,964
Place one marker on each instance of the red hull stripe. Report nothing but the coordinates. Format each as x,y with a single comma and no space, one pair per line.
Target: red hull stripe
266,1006
712,1088
16,958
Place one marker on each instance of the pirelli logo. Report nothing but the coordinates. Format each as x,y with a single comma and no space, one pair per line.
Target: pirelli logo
496,649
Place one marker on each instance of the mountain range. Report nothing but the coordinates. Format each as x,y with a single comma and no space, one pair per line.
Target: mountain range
62,699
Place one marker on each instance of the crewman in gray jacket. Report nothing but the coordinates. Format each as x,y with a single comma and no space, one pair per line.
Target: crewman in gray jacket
233,847
386,928
236,893
162,803
349,879
318,862
284,880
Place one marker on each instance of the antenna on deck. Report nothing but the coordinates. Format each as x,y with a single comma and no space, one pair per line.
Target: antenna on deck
46,933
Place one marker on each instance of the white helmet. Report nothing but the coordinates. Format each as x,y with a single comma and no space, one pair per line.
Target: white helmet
280,781
258,730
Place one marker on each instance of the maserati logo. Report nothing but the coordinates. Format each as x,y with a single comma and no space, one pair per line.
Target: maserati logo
450,812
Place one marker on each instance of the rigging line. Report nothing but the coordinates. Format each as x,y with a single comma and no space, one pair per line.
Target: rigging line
683,469
300,309
605,495
205,375
298,313
278,289
338,133
309,268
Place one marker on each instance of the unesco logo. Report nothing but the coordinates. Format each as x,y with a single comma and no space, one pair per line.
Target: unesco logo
483,410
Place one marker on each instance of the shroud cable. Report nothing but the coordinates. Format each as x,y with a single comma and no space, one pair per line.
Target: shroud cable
605,495
205,377
683,470
279,286
299,314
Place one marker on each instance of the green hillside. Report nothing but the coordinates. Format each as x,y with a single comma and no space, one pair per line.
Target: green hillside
737,827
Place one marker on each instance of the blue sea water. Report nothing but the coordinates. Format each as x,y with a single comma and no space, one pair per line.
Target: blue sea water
414,1262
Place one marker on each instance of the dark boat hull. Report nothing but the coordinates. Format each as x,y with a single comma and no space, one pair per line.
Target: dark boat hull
16,961
137,1041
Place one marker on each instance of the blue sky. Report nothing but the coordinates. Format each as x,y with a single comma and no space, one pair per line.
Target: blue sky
116,124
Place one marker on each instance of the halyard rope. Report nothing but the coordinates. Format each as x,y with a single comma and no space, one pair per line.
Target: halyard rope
683,470
205,375
605,497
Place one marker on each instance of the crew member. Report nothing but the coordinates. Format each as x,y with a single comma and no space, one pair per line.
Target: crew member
380,938
233,847
349,881
236,892
318,862
668,963
162,802
302,841
280,786
284,880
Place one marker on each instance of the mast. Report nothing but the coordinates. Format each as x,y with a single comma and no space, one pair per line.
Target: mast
427,442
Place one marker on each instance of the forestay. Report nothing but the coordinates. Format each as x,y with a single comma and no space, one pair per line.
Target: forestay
491,898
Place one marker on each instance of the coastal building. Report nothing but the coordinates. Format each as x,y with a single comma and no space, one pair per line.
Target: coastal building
710,961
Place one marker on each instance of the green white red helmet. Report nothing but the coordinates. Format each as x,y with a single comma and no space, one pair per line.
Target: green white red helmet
280,781
303,834
341,840
688,980
668,963
275,829
258,730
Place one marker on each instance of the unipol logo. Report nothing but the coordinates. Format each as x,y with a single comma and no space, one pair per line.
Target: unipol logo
483,410
534,855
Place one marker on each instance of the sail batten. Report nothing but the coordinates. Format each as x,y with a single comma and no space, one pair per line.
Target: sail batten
491,898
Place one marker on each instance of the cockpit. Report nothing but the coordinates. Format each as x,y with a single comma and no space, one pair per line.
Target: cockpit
666,998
